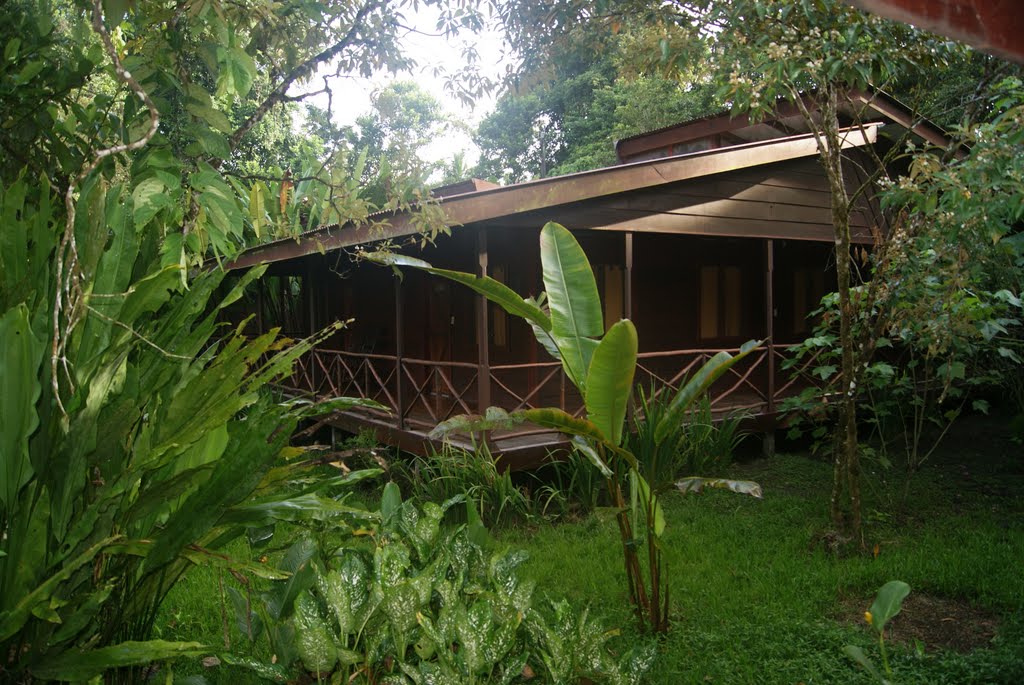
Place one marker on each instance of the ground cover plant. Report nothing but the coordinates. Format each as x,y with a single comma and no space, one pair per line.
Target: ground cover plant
757,599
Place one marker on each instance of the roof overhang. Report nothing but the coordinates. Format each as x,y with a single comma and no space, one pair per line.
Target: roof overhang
786,120
485,205
993,26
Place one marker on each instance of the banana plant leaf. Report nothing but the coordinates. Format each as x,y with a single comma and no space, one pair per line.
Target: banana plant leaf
710,372
576,317
495,291
610,379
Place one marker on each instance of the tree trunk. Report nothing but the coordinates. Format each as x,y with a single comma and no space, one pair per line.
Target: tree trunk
847,460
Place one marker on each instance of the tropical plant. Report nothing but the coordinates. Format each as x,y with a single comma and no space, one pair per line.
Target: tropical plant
697,445
887,604
911,397
167,448
601,365
568,485
410,601
476,474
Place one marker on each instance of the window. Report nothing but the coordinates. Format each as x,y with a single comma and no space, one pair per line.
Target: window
721,306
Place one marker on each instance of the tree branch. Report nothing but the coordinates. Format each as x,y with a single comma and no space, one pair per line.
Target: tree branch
68,296
305,69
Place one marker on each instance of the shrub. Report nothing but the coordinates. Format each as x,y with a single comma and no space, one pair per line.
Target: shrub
414,602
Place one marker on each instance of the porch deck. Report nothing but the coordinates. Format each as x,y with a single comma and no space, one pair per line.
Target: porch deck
418,394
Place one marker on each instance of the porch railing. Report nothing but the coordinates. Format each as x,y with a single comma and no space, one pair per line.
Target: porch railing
420,393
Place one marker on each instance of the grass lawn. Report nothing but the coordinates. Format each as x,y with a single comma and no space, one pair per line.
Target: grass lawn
756,598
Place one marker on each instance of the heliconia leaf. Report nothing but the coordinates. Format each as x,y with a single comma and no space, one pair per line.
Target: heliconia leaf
337,404
610,379
888,603
11,621
576,316
78,665
695,484
221,560
495,291
697,385
21,353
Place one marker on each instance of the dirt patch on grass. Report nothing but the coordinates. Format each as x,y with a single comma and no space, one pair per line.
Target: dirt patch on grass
937,622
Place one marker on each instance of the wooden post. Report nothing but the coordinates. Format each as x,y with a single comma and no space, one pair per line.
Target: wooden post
399,353
314,374
627,290
483,379
769,298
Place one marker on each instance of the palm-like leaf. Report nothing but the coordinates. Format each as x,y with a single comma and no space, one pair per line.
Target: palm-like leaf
610,379
576,318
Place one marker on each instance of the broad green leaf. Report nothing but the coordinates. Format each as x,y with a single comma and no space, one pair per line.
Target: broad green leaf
695,484
390,500
214,118
79,665
576,317
149,196
236,71
212,143
21,354
710,372
11,49
115,11
277,673
313,638
495,291
888,603
610,379
280,599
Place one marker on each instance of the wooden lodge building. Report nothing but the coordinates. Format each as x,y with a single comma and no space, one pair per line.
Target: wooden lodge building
706,234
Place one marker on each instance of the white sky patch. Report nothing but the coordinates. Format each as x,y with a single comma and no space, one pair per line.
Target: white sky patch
352,94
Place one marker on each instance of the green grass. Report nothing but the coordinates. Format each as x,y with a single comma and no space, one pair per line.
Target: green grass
755,598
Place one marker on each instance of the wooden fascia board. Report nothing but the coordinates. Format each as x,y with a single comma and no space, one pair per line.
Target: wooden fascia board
675,135
730,227
552,192
902,116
